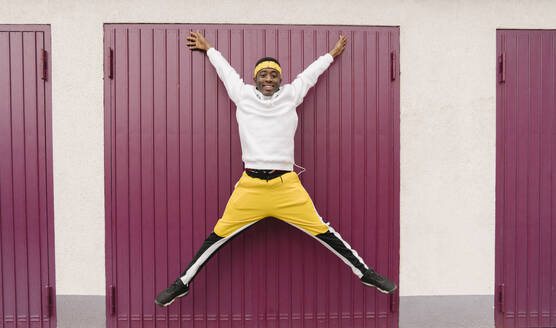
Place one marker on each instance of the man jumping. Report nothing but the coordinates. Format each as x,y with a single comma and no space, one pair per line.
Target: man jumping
269,187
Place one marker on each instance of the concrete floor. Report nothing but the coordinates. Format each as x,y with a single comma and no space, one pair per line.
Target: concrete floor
447,311
75,311
415,311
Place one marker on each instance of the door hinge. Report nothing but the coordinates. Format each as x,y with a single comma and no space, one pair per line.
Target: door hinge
111,64
112,298
49,300
44,56
393,303
393,62
501,298
502,68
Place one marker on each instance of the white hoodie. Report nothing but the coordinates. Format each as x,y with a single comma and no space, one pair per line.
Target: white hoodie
267,124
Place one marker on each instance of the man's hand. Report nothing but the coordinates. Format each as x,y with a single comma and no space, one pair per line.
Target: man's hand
339,46
197,41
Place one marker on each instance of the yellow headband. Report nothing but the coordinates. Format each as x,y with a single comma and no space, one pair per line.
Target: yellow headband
267,64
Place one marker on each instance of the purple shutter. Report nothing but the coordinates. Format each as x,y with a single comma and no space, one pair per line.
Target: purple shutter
26,203
173,156
525,183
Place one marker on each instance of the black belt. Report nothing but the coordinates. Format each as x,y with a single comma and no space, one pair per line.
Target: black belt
265,174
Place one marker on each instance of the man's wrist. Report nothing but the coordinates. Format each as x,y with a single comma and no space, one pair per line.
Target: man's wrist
334,53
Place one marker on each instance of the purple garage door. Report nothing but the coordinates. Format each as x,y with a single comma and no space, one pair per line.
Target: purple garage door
26,203
173,156
525,179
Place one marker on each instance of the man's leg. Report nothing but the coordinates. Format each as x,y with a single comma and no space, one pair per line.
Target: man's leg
333,241
294,206
241,212
209,247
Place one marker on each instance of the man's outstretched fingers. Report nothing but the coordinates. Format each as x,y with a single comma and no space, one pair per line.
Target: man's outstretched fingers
339,46
198,41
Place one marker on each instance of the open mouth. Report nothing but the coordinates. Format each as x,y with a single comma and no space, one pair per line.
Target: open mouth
268,87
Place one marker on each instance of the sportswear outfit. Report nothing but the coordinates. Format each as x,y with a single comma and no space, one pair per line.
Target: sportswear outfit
267,126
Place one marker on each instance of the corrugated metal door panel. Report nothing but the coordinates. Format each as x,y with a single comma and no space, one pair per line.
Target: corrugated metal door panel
168,115
26,213
526,137
547,201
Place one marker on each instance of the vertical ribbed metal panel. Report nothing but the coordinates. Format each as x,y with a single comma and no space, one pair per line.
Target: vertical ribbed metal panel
26,206
525,169
173,155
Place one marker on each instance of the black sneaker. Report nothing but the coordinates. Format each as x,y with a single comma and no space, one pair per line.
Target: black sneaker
166,297
373,279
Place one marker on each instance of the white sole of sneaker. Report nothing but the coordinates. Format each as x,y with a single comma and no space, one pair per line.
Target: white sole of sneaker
380,290
172,301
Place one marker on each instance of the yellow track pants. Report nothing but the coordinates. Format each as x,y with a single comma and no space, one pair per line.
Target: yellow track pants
283,198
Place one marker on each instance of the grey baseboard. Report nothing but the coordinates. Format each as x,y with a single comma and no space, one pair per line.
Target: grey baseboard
81,311
468,311
461,311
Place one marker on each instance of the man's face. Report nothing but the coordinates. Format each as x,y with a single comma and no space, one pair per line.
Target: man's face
268,81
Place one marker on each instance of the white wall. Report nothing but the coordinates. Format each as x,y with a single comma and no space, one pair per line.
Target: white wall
447,121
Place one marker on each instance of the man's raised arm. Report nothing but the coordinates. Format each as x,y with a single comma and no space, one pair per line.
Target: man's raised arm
308,78
231,79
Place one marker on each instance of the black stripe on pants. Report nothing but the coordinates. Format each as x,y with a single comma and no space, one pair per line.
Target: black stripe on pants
210,246
344,251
